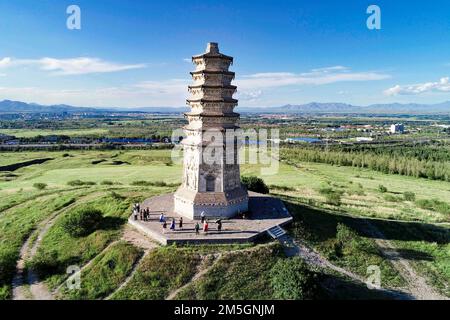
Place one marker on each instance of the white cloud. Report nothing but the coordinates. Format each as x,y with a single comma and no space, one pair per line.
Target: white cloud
74,66
252,88
314,77
5,62
443,85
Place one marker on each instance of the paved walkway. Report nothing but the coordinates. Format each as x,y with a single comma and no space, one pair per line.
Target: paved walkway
266,212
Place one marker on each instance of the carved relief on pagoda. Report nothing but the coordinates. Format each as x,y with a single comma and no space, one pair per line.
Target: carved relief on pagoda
211,64
213,79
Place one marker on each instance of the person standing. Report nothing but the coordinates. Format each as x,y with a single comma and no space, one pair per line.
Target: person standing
172,225
162,218
141,215
219,225
205,226
135,213
181,223
202,216
197,228
164,225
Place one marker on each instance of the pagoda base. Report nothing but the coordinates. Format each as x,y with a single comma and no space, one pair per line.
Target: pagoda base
224,205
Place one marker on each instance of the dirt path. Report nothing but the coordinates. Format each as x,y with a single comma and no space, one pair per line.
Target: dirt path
417,285
313,258
34,289
201,271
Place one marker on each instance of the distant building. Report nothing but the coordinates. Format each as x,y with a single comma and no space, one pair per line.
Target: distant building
364,139
397,128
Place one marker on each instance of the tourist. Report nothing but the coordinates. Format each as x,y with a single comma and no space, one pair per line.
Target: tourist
202,216
164,225
219,225
172,225
141,215
162,218
135,213
197,228
181,223
205,226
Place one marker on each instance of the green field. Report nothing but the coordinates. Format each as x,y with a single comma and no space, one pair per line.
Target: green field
30,133
112,190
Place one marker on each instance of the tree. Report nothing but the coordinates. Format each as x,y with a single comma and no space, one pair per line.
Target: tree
39,186
255,184
82,222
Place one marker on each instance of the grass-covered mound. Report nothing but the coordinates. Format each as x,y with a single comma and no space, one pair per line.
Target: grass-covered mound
107,272
343,240
163,270
239,275
15,227
426,246
60,248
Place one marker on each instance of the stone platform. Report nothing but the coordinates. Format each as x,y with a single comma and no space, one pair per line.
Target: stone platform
265,212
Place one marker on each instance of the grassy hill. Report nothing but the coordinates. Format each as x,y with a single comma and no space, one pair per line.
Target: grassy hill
109,178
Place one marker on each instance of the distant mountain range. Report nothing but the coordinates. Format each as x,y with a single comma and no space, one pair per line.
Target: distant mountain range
8,106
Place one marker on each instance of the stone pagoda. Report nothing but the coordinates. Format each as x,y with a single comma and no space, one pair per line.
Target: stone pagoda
211,186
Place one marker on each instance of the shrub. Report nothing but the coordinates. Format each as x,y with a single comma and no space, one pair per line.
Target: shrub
332,196
45,263
75,183
82,222
292,280
107,183
255,184
39,186
149,183
434,205
409,196
382,188
392,198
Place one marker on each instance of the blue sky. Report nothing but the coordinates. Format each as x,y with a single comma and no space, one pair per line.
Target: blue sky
135,53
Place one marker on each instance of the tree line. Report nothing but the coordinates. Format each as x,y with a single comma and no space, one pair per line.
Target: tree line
389,162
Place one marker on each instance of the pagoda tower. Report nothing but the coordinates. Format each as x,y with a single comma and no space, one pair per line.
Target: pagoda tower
211,182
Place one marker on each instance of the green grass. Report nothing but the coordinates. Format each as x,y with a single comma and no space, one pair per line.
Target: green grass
427,248
163,270
22,207
240,275
356,253
30,133
106,273
18,224
59,250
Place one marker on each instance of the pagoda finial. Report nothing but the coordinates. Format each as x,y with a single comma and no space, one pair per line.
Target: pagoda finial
213,47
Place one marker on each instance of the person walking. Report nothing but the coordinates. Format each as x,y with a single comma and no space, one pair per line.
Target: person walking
162,219
180,225
135,213
141,215
197,228
164,225
172,225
